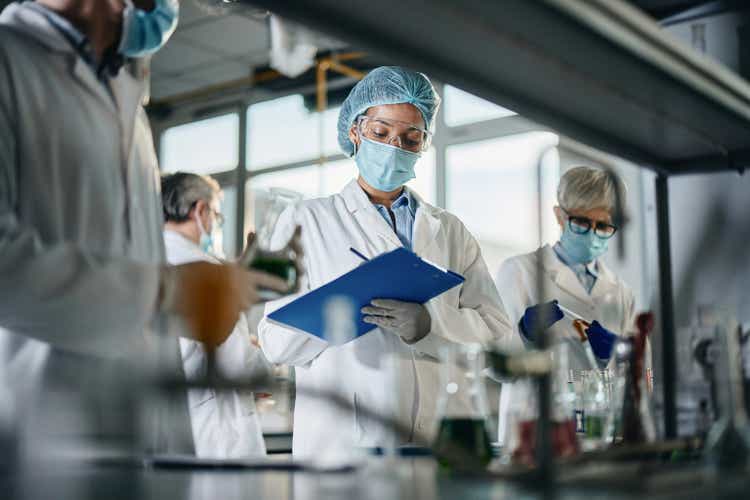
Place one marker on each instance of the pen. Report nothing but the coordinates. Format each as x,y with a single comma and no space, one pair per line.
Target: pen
358,254
572,314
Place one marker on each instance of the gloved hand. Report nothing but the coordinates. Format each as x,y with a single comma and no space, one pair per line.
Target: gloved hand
209,297
540,315
408,320
602,341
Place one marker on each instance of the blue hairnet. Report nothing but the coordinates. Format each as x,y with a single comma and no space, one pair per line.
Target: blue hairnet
387,85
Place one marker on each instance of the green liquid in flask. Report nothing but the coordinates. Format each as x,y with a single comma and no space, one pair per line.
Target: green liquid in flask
463,443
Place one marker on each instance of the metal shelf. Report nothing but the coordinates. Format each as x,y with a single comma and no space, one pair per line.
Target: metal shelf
598,71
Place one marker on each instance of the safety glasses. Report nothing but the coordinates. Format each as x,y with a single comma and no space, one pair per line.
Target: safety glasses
395,133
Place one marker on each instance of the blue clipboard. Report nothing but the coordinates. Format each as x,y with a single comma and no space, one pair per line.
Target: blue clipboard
398,275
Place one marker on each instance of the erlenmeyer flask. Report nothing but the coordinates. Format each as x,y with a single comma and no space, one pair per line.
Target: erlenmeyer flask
462,441
274,257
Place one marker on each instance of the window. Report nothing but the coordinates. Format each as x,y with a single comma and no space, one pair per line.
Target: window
462,108
229,230
492,188
203,147
283,131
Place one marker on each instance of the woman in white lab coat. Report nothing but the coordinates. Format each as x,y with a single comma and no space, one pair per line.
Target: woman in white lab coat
573,275
384,124
224,423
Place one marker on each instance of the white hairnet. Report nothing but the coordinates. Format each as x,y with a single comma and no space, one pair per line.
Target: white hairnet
387,85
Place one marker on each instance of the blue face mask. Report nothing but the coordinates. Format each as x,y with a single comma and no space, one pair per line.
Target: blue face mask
583,248
143,33
207,240
385,167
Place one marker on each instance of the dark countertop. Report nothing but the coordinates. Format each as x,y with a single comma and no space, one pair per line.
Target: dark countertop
413,478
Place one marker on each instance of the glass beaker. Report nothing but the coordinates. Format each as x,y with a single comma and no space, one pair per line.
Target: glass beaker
462,441
525,413
596,405
270,252
617,388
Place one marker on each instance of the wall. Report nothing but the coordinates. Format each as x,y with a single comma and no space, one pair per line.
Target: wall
710,237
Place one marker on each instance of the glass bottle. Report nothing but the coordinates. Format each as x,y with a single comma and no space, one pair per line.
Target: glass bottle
636,422
462,440
575,388
265,254
564,441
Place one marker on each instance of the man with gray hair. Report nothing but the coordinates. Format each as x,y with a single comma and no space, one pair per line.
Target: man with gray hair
191,205
573,277
224,423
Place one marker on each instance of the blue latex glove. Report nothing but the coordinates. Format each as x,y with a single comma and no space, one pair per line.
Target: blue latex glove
540,315
602,341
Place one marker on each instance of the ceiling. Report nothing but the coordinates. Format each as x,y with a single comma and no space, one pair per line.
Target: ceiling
217,42
209,48
228,42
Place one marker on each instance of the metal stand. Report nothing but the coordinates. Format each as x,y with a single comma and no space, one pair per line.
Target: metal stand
669,365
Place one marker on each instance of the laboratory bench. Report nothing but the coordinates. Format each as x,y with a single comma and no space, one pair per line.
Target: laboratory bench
377,478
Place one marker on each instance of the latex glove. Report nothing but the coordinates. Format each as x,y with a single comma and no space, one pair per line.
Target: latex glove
540,315
210,297
602,341
408,320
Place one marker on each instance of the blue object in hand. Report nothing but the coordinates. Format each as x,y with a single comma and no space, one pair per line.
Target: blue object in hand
539,317
602,340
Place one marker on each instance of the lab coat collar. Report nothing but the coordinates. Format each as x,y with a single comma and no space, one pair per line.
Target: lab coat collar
566,279
356,199
361,208
180,249
426,222
426,226
128,94
560,274
30,22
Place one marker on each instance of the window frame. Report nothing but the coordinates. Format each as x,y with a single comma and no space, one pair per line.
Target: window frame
240,176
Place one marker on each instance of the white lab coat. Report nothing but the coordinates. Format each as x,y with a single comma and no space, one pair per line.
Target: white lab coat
611,302
80,224
471,312
225,424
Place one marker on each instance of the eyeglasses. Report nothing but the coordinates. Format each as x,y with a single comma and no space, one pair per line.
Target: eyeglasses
395,133
218,217
582,225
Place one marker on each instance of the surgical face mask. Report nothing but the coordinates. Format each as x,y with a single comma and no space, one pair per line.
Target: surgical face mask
145,32
583,248
383,166
207,240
